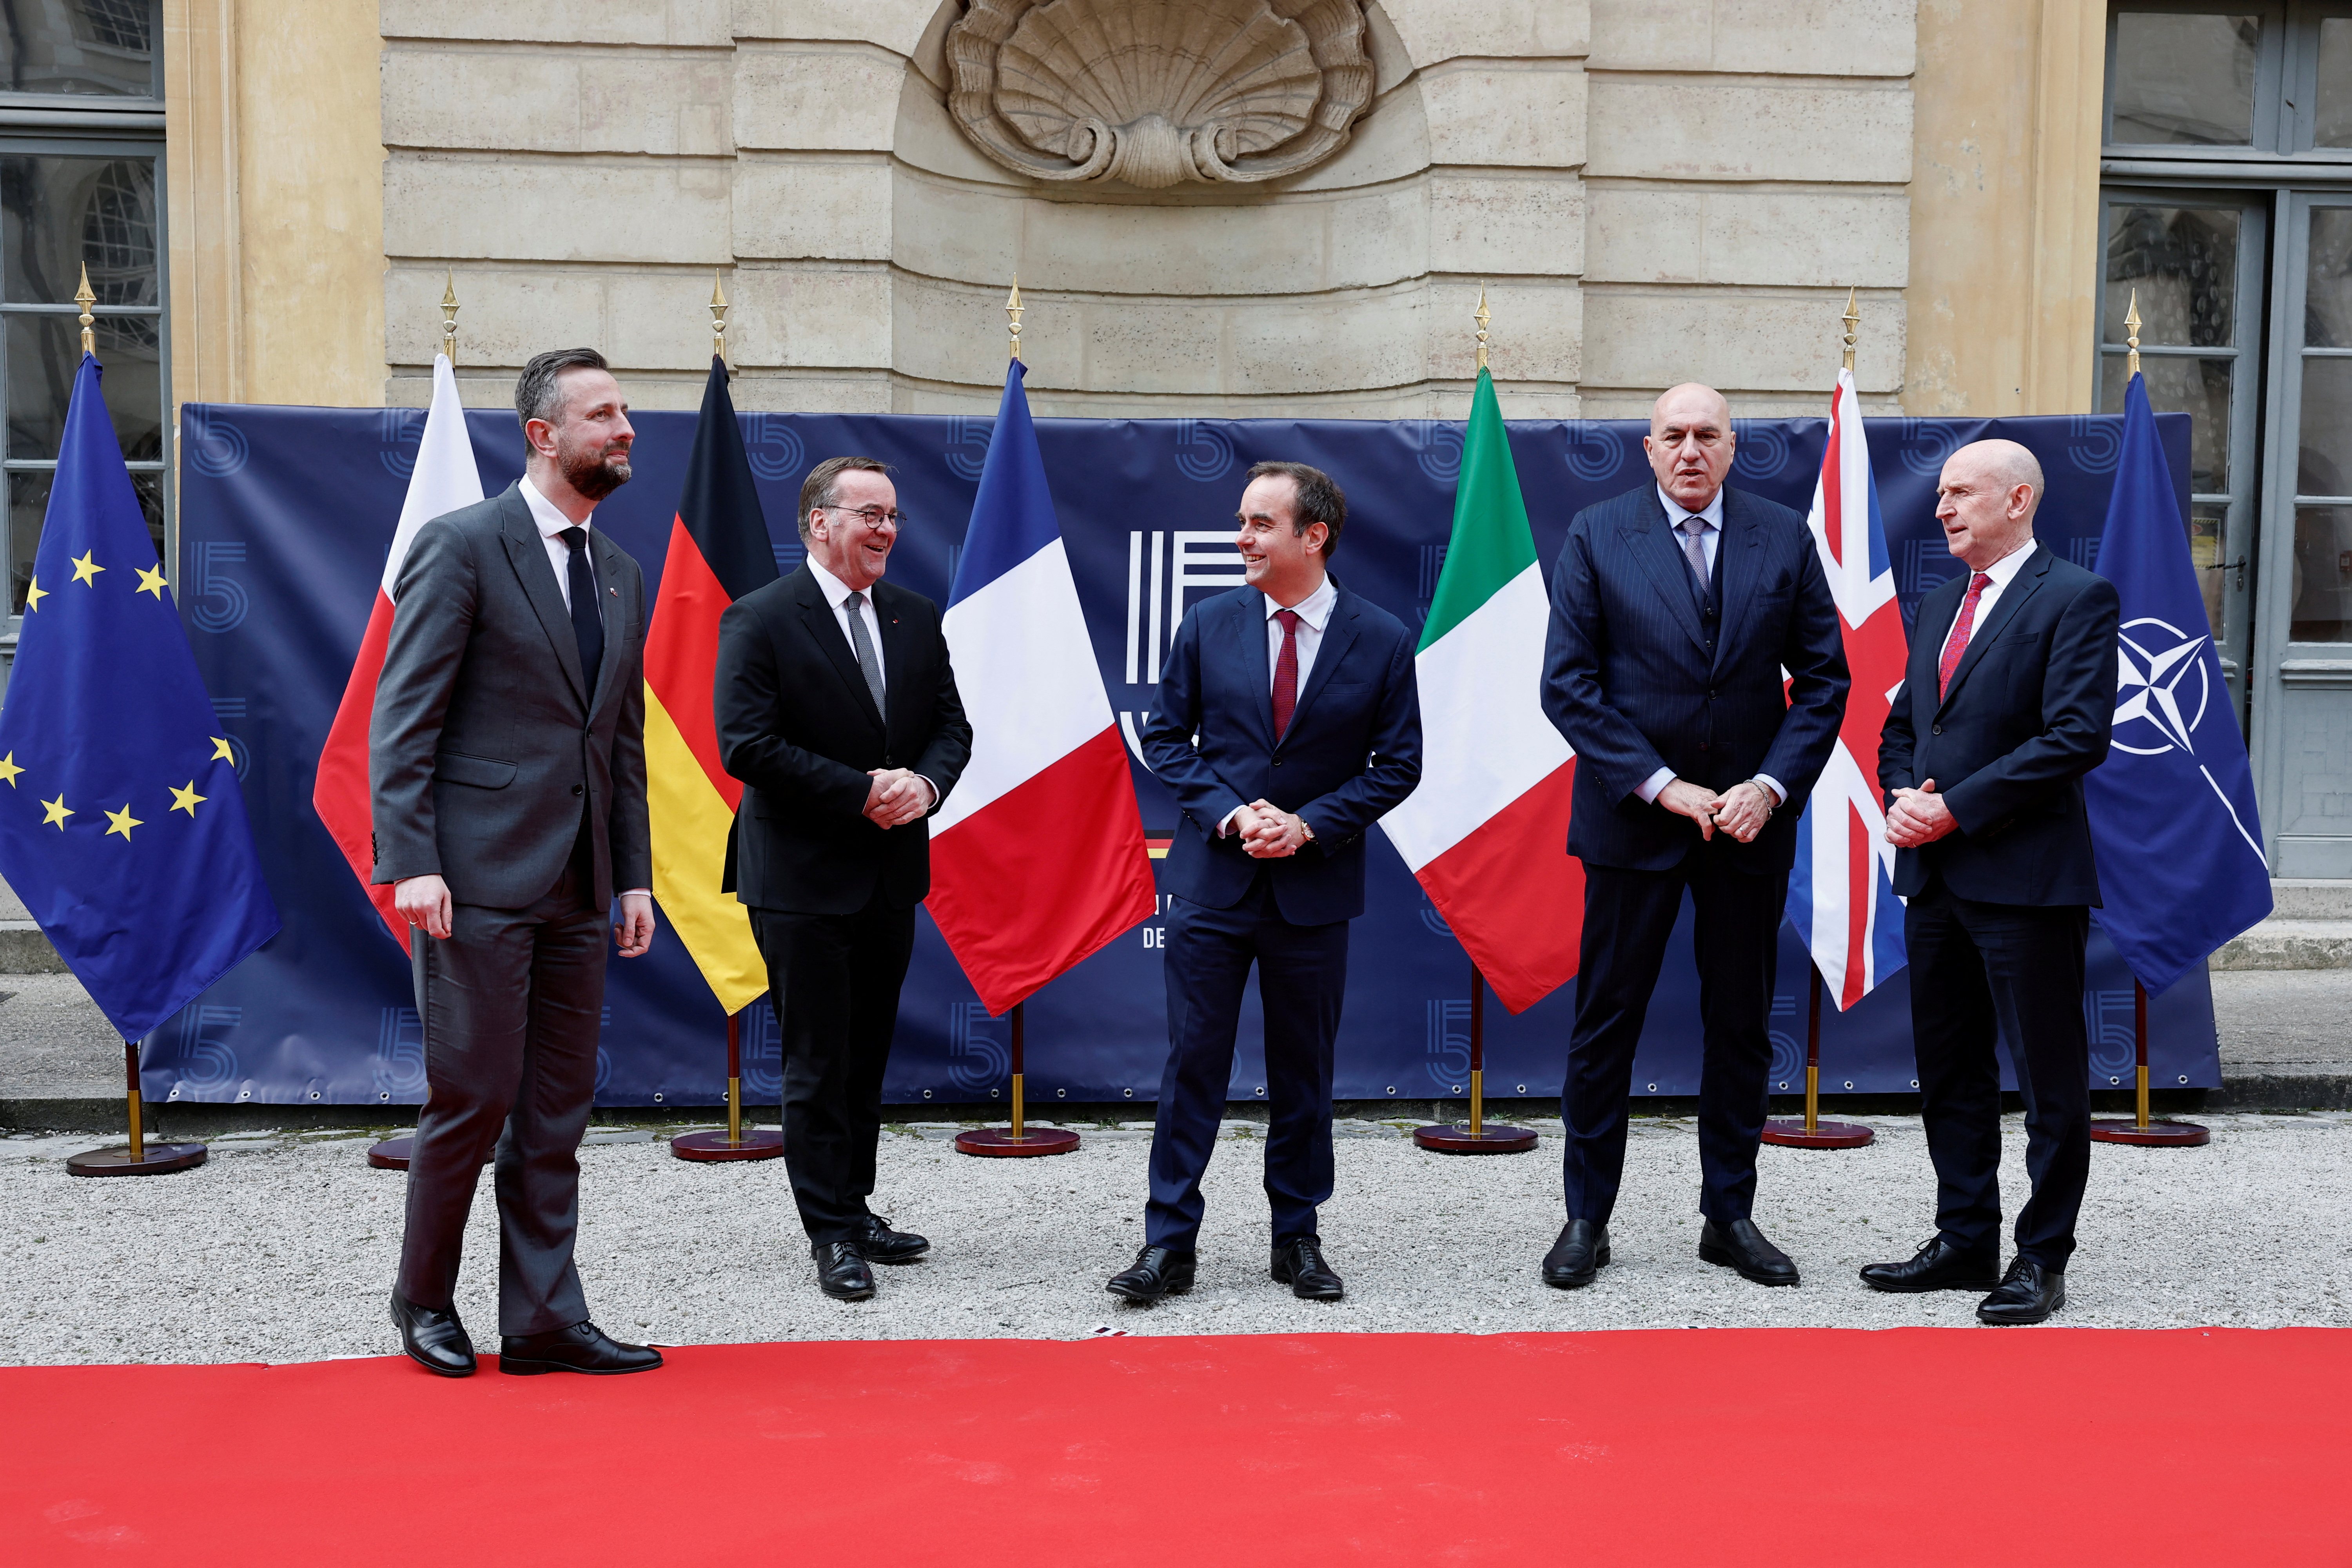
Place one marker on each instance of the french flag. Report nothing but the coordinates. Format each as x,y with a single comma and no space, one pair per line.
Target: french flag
1038,856
1842,891
444,479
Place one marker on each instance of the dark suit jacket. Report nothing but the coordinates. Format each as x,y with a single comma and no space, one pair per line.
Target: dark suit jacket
1637,681
2029,713
484,747
797,725
1352,750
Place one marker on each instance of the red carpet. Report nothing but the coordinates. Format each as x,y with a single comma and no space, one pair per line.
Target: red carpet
1912,1446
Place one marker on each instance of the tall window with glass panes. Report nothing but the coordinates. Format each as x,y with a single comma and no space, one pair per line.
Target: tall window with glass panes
81,168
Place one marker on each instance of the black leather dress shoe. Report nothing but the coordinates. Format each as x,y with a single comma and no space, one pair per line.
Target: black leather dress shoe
1742,1245
583,1347
1299,1265
434,1339
1577,1255
841,1271
2028,1293
1156,1272
877,1243
1938,1265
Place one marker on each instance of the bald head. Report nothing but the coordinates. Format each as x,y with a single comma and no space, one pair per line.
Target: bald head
1986,499
1689,443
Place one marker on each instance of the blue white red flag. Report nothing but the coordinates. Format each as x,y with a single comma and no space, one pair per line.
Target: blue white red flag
1842,891
1038,858
2181,868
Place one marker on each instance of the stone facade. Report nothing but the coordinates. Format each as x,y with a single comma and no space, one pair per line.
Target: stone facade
1650,193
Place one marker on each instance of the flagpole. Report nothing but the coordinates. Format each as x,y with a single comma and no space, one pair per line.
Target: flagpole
2159,1132
133,1158
1016,1141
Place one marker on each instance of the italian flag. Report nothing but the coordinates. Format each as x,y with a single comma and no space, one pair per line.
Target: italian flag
1486,831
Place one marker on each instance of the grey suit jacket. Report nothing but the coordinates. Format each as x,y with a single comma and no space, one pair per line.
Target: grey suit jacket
484,748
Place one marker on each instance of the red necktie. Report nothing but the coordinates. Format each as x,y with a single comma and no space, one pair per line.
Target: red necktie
1957,643
1285,672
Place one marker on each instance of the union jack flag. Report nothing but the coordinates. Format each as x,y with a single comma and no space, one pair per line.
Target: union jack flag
1842,891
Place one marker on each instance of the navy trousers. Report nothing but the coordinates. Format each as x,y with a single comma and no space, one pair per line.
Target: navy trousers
1302,973
1973,966
1627,916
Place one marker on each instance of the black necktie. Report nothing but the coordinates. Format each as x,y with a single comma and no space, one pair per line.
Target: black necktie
586,623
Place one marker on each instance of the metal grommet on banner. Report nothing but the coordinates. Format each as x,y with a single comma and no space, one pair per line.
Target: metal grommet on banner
1261,1092
1391,1089
1127,1092
1654,1089
1522,1088
927,1094
657,1099
1061,1094
2184,1078
2111,1079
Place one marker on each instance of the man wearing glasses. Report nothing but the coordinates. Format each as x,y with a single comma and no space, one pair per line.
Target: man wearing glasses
836,707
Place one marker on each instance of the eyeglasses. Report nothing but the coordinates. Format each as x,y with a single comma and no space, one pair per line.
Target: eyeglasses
872,516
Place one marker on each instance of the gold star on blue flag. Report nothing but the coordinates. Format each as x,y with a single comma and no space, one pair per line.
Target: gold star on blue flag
108,729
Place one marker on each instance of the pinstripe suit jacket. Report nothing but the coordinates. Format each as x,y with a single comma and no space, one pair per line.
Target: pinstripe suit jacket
1638,679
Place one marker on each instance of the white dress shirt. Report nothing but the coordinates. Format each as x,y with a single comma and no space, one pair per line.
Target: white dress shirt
1314,614
551,524
2001,571
1710,540
837,594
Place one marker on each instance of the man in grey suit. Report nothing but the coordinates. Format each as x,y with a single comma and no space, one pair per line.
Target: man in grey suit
508,776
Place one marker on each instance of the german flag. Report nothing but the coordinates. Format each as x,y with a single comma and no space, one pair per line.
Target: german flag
718,551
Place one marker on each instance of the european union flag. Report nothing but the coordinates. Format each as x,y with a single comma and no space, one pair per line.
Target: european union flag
122,826
2181,868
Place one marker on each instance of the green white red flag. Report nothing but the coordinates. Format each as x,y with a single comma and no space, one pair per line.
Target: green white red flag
1486,831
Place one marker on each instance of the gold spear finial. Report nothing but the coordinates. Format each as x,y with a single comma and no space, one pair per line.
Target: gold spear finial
1853,319
1485,316
2131,326
84,298
717,317
1013,308
449,318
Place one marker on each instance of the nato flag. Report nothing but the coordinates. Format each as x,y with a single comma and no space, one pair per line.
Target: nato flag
2181,868
122,826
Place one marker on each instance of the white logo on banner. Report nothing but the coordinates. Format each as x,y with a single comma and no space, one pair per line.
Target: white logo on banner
2156,659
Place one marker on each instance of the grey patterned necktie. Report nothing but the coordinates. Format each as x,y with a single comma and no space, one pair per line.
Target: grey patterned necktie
868,665
1693,532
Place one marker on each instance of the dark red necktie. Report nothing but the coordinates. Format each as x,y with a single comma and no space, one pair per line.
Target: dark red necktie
1285,672
1957,643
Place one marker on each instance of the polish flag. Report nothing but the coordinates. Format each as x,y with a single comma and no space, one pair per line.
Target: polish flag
1038,858
444,479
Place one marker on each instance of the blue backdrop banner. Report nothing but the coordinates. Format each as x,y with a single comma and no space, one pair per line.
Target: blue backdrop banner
285,515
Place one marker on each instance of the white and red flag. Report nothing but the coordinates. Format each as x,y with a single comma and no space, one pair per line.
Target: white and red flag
1038,858
1842,891
444,479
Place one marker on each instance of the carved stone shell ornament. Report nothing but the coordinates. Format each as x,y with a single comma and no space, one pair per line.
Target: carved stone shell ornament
1157,91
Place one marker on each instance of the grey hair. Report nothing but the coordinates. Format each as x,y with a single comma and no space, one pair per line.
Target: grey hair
538,391
823,486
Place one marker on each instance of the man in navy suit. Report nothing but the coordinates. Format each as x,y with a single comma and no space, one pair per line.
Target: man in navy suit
2008,701
1677,611
1286,724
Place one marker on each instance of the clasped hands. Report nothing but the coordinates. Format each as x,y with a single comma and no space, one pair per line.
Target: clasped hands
896,795
1267,832
1918,816
1740,811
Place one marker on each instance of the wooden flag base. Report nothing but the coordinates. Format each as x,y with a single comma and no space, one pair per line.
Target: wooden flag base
1820,1135
2143,1129
751,1143
148,1159
393,1153
1003,1142
1485,1138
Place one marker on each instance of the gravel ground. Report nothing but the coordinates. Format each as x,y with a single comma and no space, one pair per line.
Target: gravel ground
282,1247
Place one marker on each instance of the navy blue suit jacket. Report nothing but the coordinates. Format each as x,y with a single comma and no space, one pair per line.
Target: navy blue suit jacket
1638,680
2029,710
1352,750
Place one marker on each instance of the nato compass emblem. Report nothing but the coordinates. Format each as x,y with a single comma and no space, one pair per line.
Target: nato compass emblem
2156,658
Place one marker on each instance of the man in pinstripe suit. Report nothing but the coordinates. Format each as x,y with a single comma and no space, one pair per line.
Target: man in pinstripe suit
1677,610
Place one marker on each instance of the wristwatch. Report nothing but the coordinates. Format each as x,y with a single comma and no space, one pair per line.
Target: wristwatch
1306,831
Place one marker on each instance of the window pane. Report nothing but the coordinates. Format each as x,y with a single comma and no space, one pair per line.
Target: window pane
2208,528
79,45
29,502
2323,464
2197,387
2323,574
2185,77
2332,126
57,214
2183,264
2327,298
43,351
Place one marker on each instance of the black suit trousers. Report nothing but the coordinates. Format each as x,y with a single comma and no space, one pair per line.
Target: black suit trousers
1976,966
1627,916
833,980
512,1002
